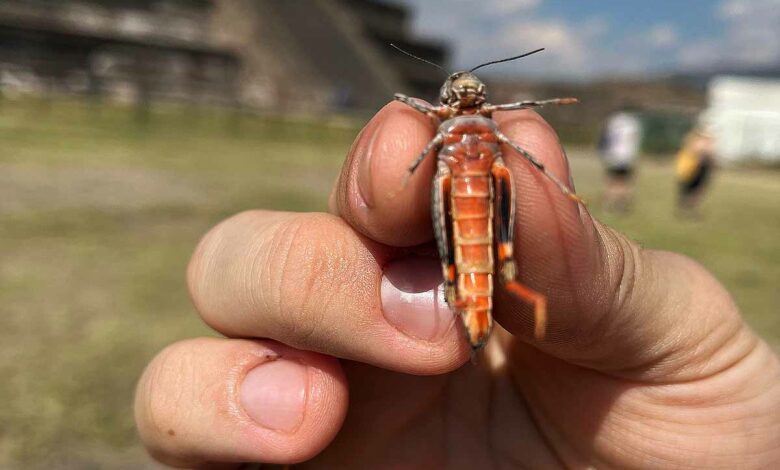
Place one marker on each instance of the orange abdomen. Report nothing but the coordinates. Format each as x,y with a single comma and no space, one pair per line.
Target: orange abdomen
472,226
470,149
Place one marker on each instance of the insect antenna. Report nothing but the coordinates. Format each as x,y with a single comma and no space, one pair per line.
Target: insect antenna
506,60
419,58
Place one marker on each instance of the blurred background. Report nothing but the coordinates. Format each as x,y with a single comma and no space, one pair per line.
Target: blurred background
129,127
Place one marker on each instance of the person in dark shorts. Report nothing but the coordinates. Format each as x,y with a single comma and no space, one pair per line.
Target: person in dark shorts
621,172
618,149
695,163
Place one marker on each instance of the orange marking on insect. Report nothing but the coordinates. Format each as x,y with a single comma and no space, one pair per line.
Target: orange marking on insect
471,184
476,282
451,274
475,285
478,325
537,300
471,227
504,250
471,207
482,320
474,255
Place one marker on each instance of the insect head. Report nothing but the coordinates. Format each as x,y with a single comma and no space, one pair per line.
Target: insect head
463,90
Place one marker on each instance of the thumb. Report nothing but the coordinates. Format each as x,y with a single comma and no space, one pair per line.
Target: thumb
612,306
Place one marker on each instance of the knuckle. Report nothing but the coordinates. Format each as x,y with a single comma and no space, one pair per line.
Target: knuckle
213,243
224,264
617,276
282,276
629,268
203,258
314,258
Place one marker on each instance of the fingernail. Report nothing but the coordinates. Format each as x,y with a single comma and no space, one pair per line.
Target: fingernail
364,180
274,394
413,298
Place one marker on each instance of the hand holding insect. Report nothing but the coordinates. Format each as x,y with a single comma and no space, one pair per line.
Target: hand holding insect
646,361
472,189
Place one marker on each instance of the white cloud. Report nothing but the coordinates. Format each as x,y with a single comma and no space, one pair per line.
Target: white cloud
506,6
752,36
700,54
576,48
581,48
562,42
732,9
663,36
469,27
572,50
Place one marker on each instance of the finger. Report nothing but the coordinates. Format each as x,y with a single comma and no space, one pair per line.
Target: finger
310,281
370,194
211,400
612,305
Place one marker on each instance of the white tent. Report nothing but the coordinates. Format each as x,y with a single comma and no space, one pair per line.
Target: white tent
744,117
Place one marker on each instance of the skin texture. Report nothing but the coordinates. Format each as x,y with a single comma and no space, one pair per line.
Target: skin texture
646,363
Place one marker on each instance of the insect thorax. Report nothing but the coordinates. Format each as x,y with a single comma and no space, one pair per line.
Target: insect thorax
468,125
470,144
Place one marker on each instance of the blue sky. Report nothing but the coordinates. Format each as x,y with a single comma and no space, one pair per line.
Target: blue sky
592,38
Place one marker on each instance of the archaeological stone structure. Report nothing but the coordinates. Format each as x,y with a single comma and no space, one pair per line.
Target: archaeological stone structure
286,56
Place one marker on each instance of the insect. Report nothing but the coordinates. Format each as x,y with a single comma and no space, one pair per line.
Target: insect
472,204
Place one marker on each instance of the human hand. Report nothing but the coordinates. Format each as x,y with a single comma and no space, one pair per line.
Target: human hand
646,363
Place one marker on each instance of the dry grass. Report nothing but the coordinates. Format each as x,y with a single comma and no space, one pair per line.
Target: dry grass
98,216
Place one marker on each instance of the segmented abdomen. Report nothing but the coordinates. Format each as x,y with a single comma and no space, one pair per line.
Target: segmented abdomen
472,226
470,148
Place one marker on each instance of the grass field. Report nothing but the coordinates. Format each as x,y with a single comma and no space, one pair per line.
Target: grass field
99,214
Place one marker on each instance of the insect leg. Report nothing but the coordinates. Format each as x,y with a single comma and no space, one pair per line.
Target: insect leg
505,221
440,210
505,218
432,145
540,166
416,104
534,298
532,104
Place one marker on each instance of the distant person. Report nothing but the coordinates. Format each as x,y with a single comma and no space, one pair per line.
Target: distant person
619,147
695,161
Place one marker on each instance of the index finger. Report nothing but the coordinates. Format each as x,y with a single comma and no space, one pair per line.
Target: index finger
368,193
